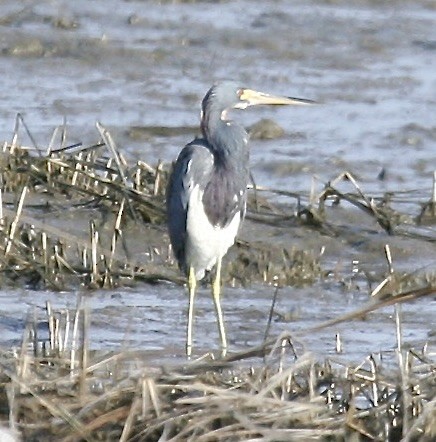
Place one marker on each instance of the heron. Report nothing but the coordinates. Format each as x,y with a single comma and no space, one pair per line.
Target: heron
207,191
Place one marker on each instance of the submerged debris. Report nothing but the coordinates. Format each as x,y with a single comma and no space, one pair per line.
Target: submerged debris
265,129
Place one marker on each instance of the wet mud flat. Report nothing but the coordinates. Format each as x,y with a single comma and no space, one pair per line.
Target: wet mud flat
321,346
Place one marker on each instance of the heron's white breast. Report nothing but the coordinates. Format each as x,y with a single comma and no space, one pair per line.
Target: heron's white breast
206,243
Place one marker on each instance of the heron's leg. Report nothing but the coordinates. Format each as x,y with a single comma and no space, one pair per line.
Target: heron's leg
216,289
192,283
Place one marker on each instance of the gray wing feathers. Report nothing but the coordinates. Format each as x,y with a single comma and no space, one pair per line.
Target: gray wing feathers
194,165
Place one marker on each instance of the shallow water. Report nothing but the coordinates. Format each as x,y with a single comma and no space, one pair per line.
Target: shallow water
153,320
140,64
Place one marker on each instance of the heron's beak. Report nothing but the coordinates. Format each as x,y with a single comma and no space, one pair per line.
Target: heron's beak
253,98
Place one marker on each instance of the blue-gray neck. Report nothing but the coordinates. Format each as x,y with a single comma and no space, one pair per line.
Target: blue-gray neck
228,140
225,193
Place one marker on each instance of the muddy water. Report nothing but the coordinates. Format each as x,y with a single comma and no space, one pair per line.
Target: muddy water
153,320
134,64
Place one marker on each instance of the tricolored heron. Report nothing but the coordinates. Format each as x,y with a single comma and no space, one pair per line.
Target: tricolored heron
207,190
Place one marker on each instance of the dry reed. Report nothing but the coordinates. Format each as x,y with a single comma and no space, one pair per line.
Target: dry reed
58,389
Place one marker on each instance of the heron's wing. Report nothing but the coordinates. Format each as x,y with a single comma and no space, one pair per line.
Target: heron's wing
225,194
194,165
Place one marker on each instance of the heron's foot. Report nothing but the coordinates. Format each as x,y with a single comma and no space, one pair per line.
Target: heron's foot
223,338
223,352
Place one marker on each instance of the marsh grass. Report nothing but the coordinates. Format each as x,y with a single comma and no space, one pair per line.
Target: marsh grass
54,387
46,192
40,190
64,181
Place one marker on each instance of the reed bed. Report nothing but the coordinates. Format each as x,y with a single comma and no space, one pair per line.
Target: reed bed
45,194
95,180
95,190
54,387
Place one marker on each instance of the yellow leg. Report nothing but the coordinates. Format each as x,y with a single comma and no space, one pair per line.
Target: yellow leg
192,283
216,289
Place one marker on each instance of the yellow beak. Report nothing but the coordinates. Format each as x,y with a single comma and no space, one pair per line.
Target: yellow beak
253,98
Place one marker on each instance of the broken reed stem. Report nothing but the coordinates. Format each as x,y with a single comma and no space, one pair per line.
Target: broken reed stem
368,202
52,141
399,337
117,233
388,278
136,405
137,179
51,326
44,252
67,330
403,369
94,244
23,361
368,205
85,347
109,142
78,167
75,338
338,343
271,312
389,258
15,221
19,120
373,365
64,132
157,179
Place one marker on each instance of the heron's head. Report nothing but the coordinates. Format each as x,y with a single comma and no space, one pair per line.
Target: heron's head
227,95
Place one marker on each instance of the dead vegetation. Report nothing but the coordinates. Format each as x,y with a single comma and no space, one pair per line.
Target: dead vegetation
63,184
46,194
57,389
109,201
67,217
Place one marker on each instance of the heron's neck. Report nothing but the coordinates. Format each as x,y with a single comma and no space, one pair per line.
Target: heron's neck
227,139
